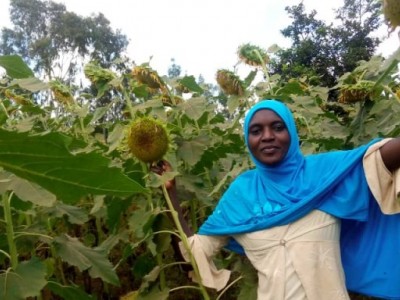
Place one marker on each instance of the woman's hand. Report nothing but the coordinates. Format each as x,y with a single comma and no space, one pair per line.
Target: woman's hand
160,168
391,154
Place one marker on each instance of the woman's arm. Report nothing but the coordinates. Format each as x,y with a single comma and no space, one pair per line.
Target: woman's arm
390,153
162,167
202,247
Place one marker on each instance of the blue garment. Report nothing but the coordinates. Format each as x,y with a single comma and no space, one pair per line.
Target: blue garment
333,182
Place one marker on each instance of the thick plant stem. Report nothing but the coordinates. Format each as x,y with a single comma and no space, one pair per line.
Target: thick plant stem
100,233
163,282
149,199
10,230
4,108
185,242
129,104
57,261
263,63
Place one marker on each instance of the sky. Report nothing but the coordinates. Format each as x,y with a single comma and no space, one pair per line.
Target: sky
202,36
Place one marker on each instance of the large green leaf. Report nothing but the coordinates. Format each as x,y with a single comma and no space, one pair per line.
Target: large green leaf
76,215
47,161
191,151
94,260
25,190
191,84
68,292
194,107
31,84
26,281
15,66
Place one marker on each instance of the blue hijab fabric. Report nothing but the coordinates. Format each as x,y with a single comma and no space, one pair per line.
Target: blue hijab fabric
333,182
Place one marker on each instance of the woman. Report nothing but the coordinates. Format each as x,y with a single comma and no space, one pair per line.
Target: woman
285,215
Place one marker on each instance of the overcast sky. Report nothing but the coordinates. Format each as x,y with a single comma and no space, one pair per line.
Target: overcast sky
201,35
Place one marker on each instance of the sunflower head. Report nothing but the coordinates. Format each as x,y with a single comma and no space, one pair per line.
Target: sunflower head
230,83
97,74
147,76
147,139
391,11
352,93
61,92
253,55
167,100
18,99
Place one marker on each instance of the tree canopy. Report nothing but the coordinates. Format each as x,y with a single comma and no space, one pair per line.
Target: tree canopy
323,52
51,38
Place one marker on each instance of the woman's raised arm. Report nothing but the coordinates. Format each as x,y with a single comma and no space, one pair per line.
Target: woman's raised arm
391,154
160,168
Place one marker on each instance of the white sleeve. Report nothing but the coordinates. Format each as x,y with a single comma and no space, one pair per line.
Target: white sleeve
203,248
384,185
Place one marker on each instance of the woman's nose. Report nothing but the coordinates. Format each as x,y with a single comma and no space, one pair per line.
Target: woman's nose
268,134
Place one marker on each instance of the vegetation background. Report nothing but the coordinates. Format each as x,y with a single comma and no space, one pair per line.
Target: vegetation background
82,218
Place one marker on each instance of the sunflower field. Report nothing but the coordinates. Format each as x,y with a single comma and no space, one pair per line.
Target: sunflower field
82,217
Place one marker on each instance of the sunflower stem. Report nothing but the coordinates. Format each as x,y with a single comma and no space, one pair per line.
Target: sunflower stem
145,170
265,70
160,263
10,230
185,242
4,108
129,104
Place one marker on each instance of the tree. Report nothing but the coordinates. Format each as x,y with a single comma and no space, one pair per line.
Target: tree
359,18
174,70
324,52
52,39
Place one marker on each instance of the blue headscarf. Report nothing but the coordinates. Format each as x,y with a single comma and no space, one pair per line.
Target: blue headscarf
273,195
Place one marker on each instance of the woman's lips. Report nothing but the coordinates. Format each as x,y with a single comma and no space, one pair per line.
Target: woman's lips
269,149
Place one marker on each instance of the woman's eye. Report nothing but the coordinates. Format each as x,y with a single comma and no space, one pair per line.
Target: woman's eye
279,127
255,131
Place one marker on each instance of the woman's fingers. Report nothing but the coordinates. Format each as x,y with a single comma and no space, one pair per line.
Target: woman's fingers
161,167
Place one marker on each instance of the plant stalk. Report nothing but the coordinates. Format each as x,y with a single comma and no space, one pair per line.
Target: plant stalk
185,242
10,230
163,282
5,110
129,104
149,198
263,63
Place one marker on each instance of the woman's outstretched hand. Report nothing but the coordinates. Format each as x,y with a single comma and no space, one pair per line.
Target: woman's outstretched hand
162,167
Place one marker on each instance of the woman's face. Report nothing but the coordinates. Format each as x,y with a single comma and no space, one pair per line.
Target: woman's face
268,137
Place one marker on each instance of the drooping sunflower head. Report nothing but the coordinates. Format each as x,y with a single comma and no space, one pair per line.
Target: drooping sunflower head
180,88
398,93
61,92
352,93
97,74
253,55
167,100
391,11
230,83
148,139
147,76
18,99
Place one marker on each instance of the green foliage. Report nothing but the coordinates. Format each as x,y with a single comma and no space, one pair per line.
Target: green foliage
324,52
68,292
15,67
44,33
27,280
94,260
82,218
48,161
